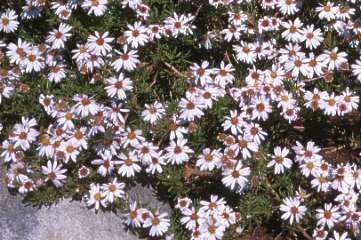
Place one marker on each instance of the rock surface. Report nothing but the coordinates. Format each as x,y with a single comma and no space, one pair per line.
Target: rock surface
68,220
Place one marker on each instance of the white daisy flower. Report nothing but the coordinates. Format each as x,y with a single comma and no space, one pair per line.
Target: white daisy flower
279,160
117,87
158,223
136,35
113,190
129,165
99,43
178,152
328,216
58,37
54,173
237,178
96,197
153,112
96,7
8,21
127,60
292,210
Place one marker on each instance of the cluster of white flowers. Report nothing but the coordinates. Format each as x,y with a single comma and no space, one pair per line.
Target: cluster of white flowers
278,79
210,221
344,179
157,222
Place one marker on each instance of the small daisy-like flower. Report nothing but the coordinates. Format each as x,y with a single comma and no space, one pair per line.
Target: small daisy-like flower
176,131
202,73
136,35
18,52
54,173
349,99
132,137
292,210
155,165
288,7
158,223
56,73
153,112
8,151
83,172
24,134
254,132
320,182
127,60
178,152
133,216
209,159
290,113
58,37
99,43
328,216
224,74
312,37
129,165
85,105
96,7
8,21
27,186
333,59
234,122
183,203
232,32
65,120
81,54
115,113
96,197
105,163
179,24
143,11
310,167
154,32
117,87
215,204
211,229
236,178
70,150
313,65
293,30
190,218
244,147
279,160
245,53
310,152
327,11
113,190
147,151
33,61
17,172
329,104
190,108
79,138
314,99
320,234
261,109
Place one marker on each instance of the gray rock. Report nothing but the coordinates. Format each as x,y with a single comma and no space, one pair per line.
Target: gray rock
146,196
67,220
16,220
72,220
